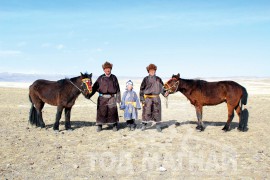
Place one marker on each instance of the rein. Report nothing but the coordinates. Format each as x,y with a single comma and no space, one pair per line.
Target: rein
167,102
176,84
75,85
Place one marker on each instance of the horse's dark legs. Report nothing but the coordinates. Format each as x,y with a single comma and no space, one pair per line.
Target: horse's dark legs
39,107
200,126
40,119
58,117
67,118
230,117
238,111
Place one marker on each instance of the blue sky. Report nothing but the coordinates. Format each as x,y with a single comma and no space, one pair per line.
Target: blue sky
196,38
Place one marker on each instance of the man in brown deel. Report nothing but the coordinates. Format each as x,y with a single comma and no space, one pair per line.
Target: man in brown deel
151,87
109,94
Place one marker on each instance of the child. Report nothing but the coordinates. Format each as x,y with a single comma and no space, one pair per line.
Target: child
130,104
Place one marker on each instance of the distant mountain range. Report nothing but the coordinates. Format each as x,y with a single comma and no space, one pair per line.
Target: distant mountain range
20,77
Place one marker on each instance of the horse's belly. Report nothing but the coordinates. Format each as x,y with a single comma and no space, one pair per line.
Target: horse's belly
211,102
50,102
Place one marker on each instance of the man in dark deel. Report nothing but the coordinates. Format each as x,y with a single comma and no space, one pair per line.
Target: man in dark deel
109,94
151,87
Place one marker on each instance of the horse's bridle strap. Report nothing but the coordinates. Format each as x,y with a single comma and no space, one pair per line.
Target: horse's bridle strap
75,85
176,84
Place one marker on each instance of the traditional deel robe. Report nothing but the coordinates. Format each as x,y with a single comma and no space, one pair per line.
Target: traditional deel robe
130,104
150,89
109,94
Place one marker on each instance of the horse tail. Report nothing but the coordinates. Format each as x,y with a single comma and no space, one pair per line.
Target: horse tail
244,112
33,119
244,96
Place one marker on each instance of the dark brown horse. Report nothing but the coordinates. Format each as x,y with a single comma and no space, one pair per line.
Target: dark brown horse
62,93
202,93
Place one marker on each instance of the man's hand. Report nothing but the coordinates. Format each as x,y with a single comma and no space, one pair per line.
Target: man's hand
143,103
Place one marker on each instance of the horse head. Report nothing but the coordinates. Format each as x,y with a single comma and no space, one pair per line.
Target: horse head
171,86
86,83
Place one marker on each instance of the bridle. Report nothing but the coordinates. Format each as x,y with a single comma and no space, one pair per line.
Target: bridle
84,81
87,83
176,84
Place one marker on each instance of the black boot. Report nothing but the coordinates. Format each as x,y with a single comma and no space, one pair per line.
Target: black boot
115,127
158,127
132,125
144,126
99,128
129,124
129,127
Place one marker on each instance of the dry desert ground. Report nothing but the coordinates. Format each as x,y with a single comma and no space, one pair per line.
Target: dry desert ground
179,152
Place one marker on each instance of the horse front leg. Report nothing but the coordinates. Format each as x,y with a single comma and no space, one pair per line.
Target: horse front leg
57,118
67,119
40,122
230,117
200,126
40,119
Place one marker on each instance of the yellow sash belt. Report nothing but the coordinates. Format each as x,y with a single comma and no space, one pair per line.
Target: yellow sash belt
150,96
132,103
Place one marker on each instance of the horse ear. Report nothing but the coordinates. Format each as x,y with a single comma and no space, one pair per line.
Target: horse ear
178,75
90,75
172,75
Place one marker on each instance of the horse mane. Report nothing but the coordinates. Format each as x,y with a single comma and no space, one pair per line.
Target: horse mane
63,81
74,78
194,84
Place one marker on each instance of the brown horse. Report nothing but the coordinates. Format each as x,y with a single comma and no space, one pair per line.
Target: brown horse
202,93
62,94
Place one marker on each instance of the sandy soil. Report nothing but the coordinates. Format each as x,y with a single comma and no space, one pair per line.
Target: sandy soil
181,152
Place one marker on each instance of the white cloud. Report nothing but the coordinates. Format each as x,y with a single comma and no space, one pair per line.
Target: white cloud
71,33
98,50
7,53
21,44
50,45
93,50
46,45
60,46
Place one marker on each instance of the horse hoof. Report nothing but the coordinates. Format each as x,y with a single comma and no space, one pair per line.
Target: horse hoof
242,129
177,124
225,128
200,128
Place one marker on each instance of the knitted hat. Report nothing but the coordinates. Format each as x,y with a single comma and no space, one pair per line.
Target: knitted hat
129,83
